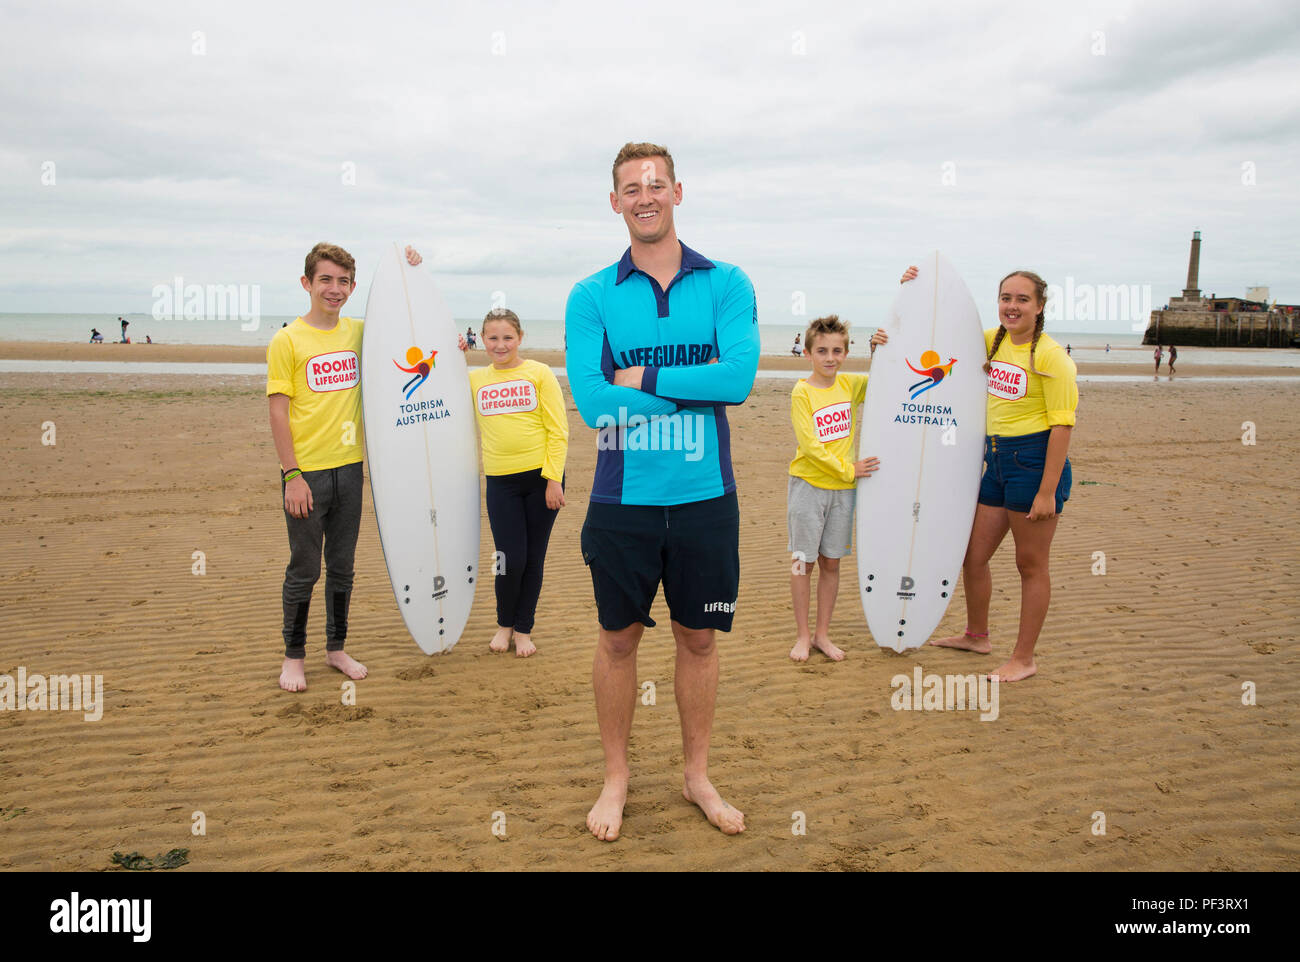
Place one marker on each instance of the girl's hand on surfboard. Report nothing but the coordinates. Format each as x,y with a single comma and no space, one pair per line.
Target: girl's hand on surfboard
413,256
554,495
461,342
629,377
297,498
864,468
1043,508
908,275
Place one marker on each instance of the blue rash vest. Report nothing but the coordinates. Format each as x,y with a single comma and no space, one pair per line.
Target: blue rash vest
668,443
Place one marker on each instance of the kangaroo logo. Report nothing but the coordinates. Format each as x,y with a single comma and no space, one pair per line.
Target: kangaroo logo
934,372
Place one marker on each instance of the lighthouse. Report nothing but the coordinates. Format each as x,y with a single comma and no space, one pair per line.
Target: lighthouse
1193,290
1221,321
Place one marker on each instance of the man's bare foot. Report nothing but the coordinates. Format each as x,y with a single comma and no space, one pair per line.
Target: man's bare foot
827,648
966,642
606,816
346,664
1015,670
524,645
801,649
725,817
501,640
293,675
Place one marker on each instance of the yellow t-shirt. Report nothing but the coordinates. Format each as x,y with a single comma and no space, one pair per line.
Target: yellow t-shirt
1022,402
521,419
320,371
826,430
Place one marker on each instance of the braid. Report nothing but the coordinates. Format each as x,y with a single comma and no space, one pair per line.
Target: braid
1038,332
997,341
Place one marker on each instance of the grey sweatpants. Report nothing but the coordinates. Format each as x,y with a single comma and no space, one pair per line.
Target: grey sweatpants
335,518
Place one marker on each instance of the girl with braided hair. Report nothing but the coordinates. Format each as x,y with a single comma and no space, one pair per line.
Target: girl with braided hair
1032,396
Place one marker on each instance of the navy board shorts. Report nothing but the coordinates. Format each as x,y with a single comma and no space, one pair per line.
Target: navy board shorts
1013,470
693,548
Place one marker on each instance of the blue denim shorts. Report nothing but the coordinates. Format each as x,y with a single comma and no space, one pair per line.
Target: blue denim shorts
1013,471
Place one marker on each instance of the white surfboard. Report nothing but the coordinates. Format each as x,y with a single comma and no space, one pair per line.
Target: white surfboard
924,418
421,450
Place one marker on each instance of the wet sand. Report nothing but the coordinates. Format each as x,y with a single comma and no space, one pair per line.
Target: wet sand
1192,363
1136,713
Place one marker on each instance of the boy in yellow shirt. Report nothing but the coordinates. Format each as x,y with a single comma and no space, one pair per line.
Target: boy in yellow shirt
313,381
820,494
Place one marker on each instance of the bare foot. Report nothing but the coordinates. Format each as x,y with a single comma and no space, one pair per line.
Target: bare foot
606,816
293,675
966,642
524,645
800,650
346,664
726,818
501,640
827,648
1015,670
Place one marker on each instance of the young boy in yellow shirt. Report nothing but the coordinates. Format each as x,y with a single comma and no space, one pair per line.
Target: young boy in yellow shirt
313,381
820,494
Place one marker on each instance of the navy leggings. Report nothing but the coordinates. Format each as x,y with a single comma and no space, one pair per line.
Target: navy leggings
521,528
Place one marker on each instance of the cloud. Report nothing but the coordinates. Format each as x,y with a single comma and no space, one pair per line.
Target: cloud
821,146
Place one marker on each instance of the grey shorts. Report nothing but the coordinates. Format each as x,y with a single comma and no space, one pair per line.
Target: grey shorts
820,520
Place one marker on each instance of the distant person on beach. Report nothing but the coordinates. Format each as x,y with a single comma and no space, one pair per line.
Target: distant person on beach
96,337
469,337
1026,482
125,323
1173,356
642,337
524,431
797,350
148,339
820,495
1107,348
1068,350
320,460
1159,355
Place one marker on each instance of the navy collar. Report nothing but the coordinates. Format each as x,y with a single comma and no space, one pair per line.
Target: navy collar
691,261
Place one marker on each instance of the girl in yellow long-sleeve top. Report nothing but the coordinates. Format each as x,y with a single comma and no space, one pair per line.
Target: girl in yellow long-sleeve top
525,436
1032,396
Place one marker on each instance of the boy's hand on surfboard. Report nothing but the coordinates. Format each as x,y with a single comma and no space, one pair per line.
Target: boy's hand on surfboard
908,275
554,495
413,256
864,468
629,377
880,337
297,498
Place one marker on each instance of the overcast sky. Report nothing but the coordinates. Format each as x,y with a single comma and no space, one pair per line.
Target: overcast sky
211,141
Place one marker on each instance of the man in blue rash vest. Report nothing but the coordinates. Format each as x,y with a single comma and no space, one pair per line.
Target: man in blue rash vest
656,346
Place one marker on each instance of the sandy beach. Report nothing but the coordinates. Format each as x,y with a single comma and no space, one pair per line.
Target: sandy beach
1137,711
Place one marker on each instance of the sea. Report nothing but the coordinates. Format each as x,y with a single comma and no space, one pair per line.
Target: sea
777,339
